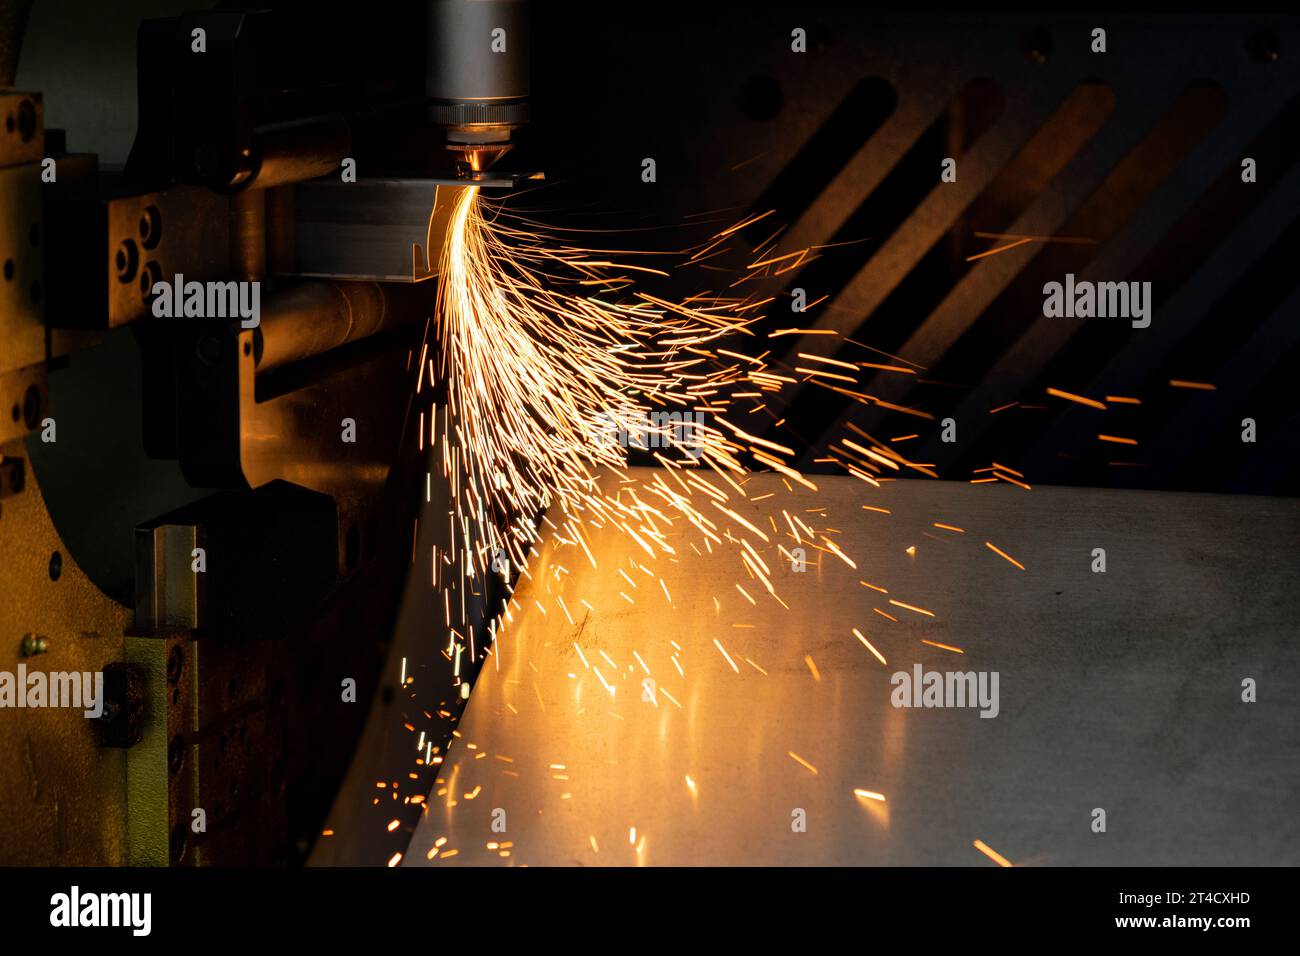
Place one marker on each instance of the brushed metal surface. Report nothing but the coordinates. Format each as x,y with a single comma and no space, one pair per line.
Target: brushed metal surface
387,230
1119,690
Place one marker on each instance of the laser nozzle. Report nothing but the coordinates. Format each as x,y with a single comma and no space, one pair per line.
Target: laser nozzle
477,79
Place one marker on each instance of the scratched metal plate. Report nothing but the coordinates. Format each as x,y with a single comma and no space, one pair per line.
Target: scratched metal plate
1118,690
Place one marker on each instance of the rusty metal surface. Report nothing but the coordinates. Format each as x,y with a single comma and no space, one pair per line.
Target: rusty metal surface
64,796
1118,690
22,128
21,290
22,307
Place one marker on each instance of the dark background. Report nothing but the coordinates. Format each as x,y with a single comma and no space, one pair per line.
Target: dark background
850,135
1136,151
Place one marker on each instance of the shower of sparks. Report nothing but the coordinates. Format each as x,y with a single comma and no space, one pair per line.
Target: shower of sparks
549,382
547,364
554,364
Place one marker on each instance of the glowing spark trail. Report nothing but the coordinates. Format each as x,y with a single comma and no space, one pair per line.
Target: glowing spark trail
554,367
547,386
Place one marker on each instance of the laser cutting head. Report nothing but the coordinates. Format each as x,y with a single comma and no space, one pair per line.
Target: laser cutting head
477,81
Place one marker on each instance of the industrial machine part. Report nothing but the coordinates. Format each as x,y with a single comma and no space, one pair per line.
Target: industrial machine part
216,513
478,75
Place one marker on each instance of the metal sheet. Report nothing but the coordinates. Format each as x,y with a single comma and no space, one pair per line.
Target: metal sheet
389,230
1118,690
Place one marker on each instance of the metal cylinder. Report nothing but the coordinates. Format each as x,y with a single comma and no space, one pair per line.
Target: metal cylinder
294,152
248,234
311,318
477,79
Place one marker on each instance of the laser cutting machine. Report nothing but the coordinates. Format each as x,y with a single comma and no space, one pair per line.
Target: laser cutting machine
314,151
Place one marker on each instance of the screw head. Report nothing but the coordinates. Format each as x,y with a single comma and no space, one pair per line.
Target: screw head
33,644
